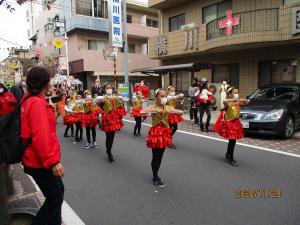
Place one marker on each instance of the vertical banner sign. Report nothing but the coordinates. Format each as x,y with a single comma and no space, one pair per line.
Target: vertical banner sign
116,23
62,61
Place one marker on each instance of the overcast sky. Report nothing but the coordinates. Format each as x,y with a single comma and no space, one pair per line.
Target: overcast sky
13,27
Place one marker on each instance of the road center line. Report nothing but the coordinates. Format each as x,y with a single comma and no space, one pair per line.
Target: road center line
222,140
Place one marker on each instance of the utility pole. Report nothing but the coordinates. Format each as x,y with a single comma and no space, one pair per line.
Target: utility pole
66,43
125,42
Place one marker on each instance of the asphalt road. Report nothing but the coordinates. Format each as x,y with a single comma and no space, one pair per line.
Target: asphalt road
200,186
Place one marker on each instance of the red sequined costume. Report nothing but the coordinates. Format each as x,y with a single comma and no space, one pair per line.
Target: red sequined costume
160,134
174,118
120,108
91,114
137,108
111,120
76,115
228,125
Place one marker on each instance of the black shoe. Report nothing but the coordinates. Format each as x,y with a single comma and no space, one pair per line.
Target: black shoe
72,135
233,162
157,182
66,135
135,135
202,127
111,159
227,158
139,135
173,146
207,130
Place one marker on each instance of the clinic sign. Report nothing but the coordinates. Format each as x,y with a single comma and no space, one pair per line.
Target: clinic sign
123,89
116,23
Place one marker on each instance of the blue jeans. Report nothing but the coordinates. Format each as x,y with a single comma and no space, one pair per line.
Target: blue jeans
52,188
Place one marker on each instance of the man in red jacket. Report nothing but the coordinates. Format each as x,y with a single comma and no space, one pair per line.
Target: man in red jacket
42,158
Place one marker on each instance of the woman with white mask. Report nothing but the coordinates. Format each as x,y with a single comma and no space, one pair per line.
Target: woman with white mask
160,133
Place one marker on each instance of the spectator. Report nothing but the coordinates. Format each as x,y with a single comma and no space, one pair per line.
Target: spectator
136,88
42,157
193,109
144,89
97,89
18,90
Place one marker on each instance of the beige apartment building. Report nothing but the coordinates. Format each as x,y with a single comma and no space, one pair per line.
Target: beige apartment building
87,27
259,44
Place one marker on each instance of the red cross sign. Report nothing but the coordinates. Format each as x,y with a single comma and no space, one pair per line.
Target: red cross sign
229,22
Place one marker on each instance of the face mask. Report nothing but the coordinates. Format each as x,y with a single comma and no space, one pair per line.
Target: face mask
163,101
224,82
77,101
1,90
23,83
142,83
109,91
236,96
97,84
88,96
172,93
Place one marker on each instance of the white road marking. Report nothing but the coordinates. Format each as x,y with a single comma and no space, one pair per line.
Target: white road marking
223,140
69,217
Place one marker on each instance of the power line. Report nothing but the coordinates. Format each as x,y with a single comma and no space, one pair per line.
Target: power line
10,42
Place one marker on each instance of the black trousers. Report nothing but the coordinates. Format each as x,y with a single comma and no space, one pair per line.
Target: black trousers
78,131
174,128
68,128
138,125
157,155
110,136
88,130
53,189
194,111
230,148
204,108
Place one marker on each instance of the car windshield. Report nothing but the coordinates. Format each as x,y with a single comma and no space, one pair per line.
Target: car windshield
275,93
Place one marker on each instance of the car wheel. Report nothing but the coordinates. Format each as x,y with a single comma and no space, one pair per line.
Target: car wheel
289,128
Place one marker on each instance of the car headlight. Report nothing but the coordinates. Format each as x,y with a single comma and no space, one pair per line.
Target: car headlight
275,115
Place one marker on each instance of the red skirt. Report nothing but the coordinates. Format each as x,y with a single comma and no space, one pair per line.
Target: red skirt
217,126
231,129
99,111
111,121
121,111
136,112
90,119
159,137
175,118
73,118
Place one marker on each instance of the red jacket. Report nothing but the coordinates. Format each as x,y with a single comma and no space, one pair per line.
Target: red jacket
38,123
7,103
201,101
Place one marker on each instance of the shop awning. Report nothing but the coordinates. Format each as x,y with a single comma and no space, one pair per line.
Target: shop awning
121,74
178,67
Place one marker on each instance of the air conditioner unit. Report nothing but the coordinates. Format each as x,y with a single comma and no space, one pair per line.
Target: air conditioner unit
188,26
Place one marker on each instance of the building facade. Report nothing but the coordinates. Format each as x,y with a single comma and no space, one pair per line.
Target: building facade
87,28
247,42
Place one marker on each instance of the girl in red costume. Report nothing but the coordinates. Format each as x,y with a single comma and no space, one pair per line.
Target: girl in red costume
160,134
174,118
90,118
136,113
229,125
111,120
78,114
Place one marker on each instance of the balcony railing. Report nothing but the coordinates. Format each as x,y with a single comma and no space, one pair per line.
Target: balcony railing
250,21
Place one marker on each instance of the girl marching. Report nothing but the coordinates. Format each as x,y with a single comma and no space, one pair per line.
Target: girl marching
78,113
111,119
174,118
68,118
136,113
229,125
90,119
160,134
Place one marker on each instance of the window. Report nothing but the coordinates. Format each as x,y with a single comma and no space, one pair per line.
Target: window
131,48
276,93
129,19
176,22
84,7
96,45
151,23
95,8
286,2
230,72
180,81
277,72
215,11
